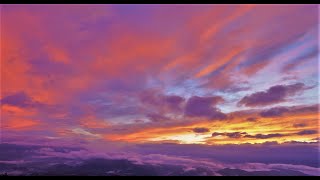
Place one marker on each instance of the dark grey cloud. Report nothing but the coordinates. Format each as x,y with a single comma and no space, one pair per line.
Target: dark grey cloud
157,117
204,107
307,132
236,135
233,135
307,109
274,112
156,100
264,136
252,119
292,110
273,95
174,102
201,130
298,125
217,134
19,99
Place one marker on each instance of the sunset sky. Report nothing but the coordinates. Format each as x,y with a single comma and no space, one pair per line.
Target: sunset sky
159,74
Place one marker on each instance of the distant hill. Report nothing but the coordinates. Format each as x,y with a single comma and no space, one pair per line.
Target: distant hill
239,172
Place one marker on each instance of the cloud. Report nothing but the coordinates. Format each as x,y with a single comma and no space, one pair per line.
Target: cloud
201,130
204,107
307,132
77,66
237,135
213,158
239,154
93,122
157,117
217,134
274,112
298,125
155,100
290,110
273,95
233,135
81,131
270,143
173,102
194,107
306,109
20,124
19,99
264,136
252,119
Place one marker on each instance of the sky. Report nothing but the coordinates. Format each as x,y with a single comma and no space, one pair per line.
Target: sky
111,76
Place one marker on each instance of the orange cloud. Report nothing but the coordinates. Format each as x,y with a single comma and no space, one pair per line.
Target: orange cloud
19,124
219,62
14,110
57,54
213,30
183,132
81,58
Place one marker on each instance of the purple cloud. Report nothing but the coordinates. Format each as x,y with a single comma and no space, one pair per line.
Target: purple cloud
217,134
264,136
174,102
307,132
274,112
191,156
234,135
204,107
157,117
280,111
273,95
154,99
19,99
201,130
298,125
307,109
252,119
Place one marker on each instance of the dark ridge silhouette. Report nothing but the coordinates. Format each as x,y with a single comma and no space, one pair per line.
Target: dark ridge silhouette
279,172
5,174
